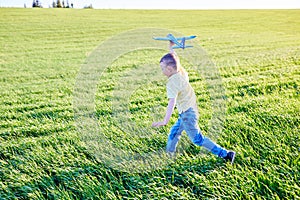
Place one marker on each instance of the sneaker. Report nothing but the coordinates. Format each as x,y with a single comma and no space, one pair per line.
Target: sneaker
230,156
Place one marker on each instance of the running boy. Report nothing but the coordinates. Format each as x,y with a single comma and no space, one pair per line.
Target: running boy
180,92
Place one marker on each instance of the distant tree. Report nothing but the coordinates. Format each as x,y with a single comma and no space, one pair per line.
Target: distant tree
89,7
54,4
58,4
68,6
63,4
36,4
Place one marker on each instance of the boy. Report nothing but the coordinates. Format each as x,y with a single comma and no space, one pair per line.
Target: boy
180,92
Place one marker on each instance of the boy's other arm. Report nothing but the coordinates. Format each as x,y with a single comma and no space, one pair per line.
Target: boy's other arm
168,115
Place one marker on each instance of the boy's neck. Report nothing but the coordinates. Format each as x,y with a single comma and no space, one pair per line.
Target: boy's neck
173,73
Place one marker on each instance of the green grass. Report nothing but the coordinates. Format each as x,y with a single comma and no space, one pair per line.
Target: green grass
42,157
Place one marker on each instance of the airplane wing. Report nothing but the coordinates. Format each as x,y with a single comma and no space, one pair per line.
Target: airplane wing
178,44
180,47
161,38
187,38
169,37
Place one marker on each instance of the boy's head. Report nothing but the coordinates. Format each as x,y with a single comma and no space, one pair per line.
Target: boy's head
169,64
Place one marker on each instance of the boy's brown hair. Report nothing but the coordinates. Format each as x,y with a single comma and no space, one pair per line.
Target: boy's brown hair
170,59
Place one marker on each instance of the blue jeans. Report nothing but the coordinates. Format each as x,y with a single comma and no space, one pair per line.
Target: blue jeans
188,122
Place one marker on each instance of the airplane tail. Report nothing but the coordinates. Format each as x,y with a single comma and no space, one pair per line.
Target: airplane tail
183,42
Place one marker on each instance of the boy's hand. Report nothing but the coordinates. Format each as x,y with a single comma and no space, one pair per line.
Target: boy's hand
158,124
171,44
170,109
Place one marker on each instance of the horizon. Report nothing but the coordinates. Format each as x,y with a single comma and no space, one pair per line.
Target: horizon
162,5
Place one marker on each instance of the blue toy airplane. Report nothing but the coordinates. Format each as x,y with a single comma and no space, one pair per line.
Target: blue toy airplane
180,44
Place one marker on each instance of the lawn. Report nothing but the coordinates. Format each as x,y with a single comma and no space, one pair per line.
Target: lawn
51,86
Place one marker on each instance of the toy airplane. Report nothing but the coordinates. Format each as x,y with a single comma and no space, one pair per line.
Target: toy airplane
180,44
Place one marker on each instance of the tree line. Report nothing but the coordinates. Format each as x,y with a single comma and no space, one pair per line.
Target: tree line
55,4
58,4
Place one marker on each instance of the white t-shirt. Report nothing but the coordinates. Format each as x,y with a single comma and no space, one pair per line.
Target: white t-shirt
178,87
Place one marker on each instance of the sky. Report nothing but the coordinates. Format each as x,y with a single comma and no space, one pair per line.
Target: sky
166,4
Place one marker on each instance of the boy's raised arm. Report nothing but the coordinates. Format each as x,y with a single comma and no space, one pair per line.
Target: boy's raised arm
170,47
168,115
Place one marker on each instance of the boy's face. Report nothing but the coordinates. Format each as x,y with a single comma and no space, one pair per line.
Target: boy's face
166,70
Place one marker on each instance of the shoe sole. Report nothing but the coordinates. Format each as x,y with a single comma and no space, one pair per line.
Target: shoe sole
233,157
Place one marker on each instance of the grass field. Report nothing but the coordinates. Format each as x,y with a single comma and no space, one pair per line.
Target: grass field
257,53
